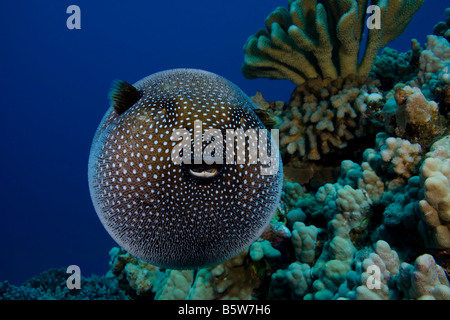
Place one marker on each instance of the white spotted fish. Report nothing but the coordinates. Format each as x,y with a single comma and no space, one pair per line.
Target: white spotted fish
179,216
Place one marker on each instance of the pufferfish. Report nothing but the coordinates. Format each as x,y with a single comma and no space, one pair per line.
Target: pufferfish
184,215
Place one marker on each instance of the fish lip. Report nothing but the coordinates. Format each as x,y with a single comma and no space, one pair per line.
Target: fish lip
202,173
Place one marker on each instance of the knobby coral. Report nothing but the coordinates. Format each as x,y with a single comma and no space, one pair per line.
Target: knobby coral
392,67
408,114
434,66
443,28
315,38
389,212
435,207
51,285
325,247
328,244
323,116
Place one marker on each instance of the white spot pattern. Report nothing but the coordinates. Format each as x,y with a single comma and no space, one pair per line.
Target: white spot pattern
153,208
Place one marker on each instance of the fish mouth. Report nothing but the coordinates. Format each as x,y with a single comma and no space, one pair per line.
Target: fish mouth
202,173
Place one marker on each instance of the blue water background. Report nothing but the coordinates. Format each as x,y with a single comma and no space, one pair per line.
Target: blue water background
53,93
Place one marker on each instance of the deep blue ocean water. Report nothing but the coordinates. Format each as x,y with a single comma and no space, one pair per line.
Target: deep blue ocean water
53,93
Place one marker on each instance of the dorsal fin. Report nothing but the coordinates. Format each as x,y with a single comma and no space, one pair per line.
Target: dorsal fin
123,95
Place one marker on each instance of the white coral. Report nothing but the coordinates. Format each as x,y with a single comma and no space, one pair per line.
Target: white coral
372,185
424,280
436,205
440,149
402,155
175,285
318,122
435,60
350,204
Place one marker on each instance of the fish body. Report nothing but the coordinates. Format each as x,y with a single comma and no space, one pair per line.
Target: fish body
178,215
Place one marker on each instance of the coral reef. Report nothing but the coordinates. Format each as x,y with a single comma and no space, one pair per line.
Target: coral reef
325,122
372,219
328,121
334,243
233,279
424,68
51,285
311,39
434,64
435,207
368,204
316,45
392,67
443,28
325,115
423,280
373,234
417,119
336,110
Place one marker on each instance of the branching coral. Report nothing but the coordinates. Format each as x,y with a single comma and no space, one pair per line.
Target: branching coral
387,180
424,69
314,38
323,116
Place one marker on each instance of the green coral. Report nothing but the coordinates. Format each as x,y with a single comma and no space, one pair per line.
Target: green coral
392,67
237,278
316,38
443,28
261,249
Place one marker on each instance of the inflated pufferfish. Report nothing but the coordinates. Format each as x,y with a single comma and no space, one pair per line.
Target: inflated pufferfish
179,215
